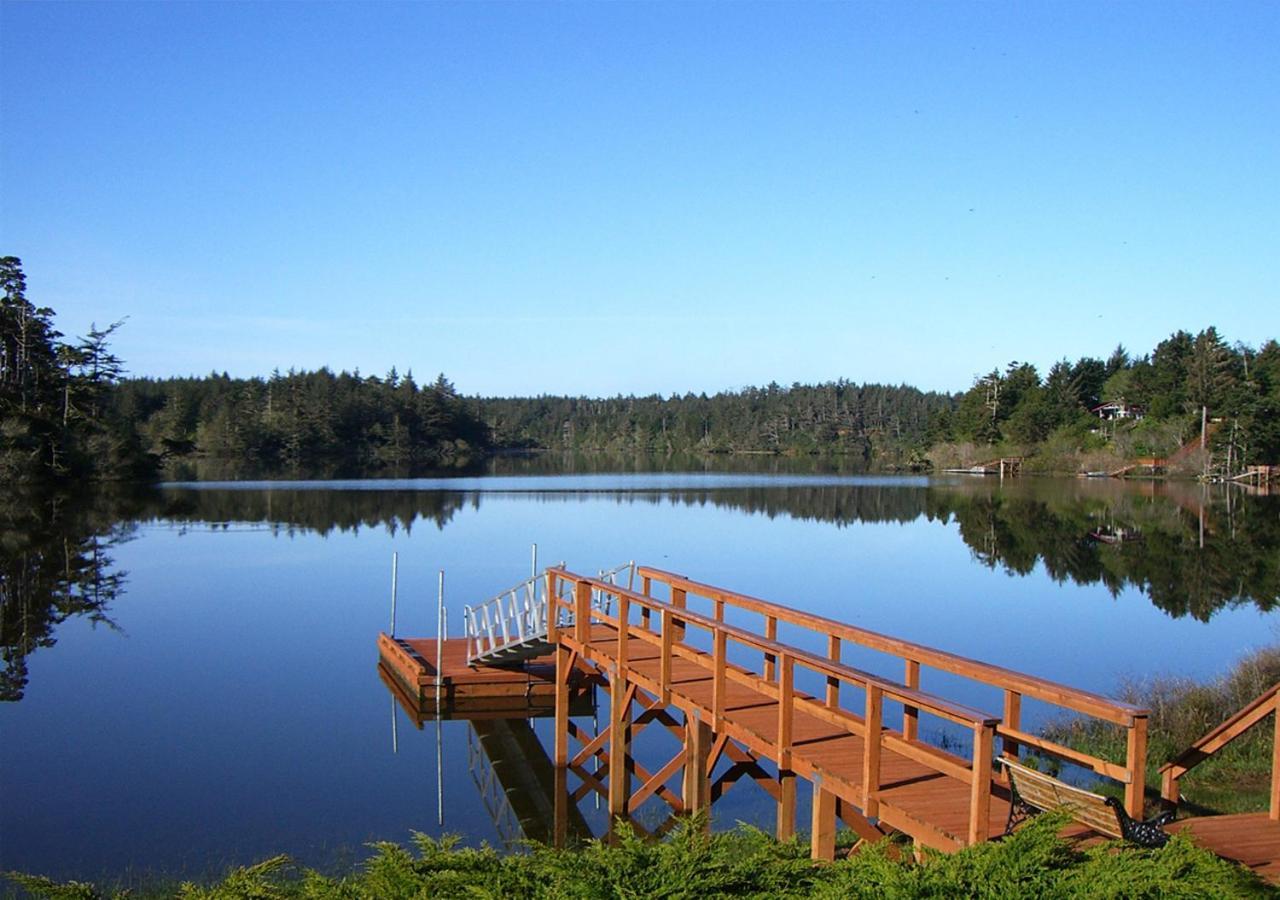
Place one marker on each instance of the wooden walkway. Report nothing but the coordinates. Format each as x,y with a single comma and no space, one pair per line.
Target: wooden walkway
1251,839
931,805
876,774
662,660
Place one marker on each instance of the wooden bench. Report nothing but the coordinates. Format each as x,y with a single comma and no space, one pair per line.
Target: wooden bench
1032,792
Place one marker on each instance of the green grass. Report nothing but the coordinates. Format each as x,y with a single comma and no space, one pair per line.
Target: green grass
1237,778
745,862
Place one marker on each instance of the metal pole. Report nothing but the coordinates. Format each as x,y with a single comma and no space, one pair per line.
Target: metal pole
534,572
439,641
439,768
395,559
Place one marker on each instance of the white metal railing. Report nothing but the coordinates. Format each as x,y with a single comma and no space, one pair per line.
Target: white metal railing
519,614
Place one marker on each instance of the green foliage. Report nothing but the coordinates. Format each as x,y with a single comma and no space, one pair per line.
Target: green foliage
1032,863
53,398
309,421
1182,711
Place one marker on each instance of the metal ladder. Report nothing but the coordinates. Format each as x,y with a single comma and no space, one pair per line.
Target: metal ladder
512,627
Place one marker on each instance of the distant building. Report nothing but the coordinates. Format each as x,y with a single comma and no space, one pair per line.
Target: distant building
1118,409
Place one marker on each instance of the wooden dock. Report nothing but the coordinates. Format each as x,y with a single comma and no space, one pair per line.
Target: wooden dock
669,657
876,774
466,692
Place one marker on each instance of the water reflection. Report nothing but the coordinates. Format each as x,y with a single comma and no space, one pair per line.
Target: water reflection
1202,547
1191,549
55,564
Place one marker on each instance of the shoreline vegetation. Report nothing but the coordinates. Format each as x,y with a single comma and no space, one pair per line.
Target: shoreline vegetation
745,862
68,413
1238,777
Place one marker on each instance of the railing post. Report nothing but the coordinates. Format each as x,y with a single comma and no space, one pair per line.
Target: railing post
553,611
786,708
1013,719
984,737
664,664
871,750
770,661
1136,762
1274,812
911,714
581,611
678,600
833,683
718,683
624,632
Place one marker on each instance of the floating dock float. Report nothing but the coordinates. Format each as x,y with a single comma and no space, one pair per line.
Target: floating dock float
475,692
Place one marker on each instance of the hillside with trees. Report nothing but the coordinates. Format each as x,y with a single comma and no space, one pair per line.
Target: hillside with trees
1159,401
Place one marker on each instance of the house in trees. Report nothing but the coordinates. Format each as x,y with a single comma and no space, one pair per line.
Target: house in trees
1115,410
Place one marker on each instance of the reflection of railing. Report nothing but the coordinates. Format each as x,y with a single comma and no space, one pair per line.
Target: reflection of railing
1254,712
492,793
1014,685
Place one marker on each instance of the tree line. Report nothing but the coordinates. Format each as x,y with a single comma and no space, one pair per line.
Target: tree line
67,412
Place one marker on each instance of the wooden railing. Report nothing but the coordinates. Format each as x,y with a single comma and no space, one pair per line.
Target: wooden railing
778,683
1015,685
1255,711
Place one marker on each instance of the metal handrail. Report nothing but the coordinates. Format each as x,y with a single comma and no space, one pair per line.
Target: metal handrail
520,613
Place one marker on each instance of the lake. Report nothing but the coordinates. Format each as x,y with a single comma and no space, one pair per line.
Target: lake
190,673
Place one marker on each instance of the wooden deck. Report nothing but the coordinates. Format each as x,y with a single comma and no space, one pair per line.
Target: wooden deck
1251,839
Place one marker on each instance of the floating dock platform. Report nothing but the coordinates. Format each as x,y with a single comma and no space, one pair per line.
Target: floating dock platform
475,692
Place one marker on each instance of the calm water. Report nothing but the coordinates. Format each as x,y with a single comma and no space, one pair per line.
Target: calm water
191,681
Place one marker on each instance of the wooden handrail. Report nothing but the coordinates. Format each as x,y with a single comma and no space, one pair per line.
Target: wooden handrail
931,703
1050,691
1014,684
1246,718
674,619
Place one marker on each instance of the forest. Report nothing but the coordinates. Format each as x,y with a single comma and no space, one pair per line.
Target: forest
69,413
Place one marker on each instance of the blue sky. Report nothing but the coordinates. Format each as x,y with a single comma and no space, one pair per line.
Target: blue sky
600,198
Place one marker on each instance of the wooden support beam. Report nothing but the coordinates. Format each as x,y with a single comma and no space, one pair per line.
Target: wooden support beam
822,836
786,804
696,787
560,828
619,744
563,671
